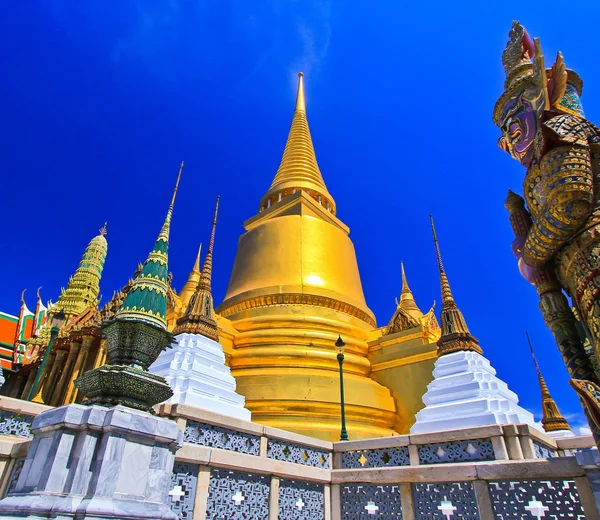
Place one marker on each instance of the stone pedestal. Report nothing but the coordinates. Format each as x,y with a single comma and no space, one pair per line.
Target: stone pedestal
464,393
92,462
196,372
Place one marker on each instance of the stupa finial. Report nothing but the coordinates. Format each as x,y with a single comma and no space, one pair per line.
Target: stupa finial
552,420
300,102
455,333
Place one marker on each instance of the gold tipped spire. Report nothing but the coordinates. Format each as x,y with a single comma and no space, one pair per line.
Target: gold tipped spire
455,333
192,282
445,285
38,293
196,267
552,420
103,229
298,170
407,301
23,297
300,102
199,317
164,232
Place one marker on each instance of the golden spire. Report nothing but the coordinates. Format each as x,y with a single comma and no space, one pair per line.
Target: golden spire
206,277
103,230
199,317
192,281
299,169
552,420
407,301
455,333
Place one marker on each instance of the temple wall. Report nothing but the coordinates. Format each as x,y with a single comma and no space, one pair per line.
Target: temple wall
228,465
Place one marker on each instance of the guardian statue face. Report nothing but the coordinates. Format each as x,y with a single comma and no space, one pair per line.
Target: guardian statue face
519,124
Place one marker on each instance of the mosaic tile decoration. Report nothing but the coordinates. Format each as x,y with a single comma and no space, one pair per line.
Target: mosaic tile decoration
540,499
300,500
217,437
445,501
182,492
365,501
376,458
15,424
298,454
234,495
543,452
474,450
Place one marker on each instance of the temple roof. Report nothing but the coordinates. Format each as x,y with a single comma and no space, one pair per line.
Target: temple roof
299,168
147,299
84,286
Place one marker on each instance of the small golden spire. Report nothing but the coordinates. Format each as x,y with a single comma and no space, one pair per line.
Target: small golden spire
205,278
103,230
38,293
552,420
445,285
23,297
300,102
196,267
199,317
455,333
192,282
407,300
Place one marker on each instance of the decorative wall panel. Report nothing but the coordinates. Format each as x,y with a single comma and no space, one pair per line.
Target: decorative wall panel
301,500
234,495
365,501
539,499
280,450
217,437
15,474
445,501
376,458
458,451
15,424
542,451
183,489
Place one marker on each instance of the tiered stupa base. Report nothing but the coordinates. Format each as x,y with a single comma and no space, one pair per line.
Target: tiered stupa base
196,371
465,393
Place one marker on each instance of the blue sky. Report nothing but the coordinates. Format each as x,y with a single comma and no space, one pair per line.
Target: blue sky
102,99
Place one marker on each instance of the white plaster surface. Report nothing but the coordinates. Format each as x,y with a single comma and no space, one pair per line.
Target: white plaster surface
196,371
465,393
96,462
560,434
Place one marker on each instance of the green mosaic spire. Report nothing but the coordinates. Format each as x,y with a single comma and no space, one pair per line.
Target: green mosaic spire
147,299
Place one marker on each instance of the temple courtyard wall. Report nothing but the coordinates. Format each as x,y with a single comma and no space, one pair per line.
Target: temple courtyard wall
229,468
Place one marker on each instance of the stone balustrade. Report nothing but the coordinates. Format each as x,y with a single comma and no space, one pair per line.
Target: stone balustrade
228,466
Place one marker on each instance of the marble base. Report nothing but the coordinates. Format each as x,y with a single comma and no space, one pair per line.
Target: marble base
196,372
92,462
464,393
560,434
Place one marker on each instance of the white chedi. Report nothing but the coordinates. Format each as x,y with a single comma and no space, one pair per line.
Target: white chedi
196,371
466,393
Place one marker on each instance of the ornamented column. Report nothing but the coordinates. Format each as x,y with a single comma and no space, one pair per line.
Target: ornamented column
66,376
82,355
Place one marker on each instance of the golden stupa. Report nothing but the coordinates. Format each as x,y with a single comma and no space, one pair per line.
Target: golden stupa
294,288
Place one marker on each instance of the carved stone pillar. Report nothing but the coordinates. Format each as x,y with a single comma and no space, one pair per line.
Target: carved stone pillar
66,376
